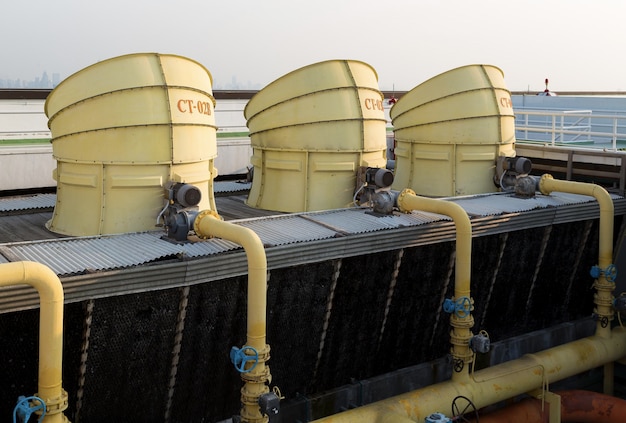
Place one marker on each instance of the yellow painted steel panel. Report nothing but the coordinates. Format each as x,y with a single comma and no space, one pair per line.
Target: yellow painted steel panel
476,165
81,195
140,121
193,143
324,136
128,72
327,117
326,188
312,78
319,166
79,180
373,159
278,190
284,164
124,181
455,81
124,206
432,161
463,117
116,145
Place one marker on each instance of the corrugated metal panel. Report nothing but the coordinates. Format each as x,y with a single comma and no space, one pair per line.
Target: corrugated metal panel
86,255
231,186
80,255
287,229
355,221
39,201
493,205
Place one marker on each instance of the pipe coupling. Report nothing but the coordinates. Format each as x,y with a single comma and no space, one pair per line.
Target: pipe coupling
462,322
601,300
56,405
261,376
542,184
199,217
460,340
400,200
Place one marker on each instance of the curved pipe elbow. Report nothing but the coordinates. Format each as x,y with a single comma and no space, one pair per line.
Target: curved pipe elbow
547,185
407,201
50,290
207,224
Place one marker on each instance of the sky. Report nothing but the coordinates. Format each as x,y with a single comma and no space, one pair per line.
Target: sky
579,45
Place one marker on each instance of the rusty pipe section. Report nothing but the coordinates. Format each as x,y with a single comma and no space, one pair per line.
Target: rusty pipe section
207,224
576,407
50,290
494,384
461,322
604,284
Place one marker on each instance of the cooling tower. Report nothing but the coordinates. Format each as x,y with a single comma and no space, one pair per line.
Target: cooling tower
122,129
310,131
449,131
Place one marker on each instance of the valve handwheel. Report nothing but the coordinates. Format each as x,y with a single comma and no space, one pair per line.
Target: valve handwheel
463,307
461,406
241,357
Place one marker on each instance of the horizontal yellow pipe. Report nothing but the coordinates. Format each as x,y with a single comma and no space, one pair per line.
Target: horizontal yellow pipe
494,384
50,290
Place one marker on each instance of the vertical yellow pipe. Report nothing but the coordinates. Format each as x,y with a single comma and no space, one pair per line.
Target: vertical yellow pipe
603,297
461,325
207,224
50,290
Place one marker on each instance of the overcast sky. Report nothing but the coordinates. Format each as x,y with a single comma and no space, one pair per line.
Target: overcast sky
577,44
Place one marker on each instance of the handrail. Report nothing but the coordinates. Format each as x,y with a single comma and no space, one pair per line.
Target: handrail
551,127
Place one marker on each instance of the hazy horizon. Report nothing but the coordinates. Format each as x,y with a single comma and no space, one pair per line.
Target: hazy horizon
575,44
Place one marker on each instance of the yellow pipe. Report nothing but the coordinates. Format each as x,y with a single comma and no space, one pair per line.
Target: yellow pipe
530,372
206,224
604,295
494,384
461,325
50,290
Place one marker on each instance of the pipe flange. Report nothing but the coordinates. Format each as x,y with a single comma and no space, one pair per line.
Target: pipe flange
257,377
196,222
56,405
249,398
401,197
606,302
462,322
460,341
542,188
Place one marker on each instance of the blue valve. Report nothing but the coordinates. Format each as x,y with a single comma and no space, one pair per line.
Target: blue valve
448,306
610,273
595,272
24,408
461,307
239,357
